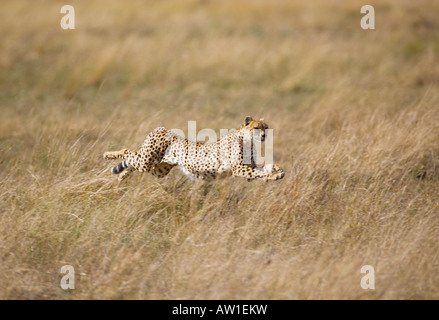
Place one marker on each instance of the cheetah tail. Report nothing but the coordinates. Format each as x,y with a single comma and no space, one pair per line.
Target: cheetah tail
120,167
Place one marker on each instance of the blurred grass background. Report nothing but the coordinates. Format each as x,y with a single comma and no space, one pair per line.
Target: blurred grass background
355,115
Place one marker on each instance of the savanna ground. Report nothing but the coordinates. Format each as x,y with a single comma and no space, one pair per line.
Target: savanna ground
356,127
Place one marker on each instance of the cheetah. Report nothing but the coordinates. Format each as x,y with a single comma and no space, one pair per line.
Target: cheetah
162,150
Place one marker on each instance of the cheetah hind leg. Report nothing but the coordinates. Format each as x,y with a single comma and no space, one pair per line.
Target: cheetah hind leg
123,167
121,154
162,169
125,173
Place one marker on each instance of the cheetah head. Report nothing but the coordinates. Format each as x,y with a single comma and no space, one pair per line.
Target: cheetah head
256,128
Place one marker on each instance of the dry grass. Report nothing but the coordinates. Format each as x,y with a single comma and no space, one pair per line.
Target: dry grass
356,119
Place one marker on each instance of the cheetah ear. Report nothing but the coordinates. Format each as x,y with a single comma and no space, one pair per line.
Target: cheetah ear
261,120
247,120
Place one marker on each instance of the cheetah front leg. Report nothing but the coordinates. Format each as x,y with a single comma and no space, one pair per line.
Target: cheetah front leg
250,173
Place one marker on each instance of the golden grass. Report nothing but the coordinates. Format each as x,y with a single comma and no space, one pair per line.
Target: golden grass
356,120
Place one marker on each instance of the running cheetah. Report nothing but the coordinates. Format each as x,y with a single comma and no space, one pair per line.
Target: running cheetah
233,155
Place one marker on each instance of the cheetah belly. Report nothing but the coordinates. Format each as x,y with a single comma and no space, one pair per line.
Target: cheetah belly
200,163
224,170
199,173
186,172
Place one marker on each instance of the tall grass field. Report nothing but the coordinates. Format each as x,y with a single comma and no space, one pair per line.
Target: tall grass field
355,115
